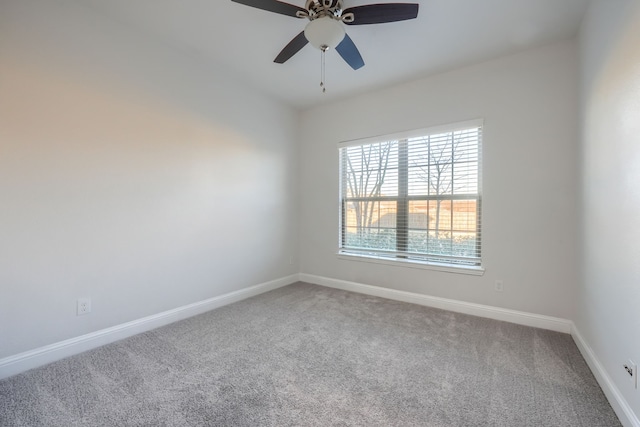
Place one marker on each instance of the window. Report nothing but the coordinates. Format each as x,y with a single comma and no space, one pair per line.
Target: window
414,197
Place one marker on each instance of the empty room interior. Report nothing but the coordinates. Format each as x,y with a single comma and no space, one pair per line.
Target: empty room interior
418,214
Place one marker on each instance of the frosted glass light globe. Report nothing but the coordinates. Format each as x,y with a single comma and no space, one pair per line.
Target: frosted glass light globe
324,31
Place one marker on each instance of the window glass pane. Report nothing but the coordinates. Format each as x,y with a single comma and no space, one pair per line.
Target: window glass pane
419,214
464,245
440,214
371,170
465,215
466,147
371,225
445,163
418,166
466,178
418,233
441,158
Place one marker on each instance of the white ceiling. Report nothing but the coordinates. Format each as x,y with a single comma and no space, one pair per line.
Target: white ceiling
447,34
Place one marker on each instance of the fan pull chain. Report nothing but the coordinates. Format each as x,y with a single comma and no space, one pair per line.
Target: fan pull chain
323,50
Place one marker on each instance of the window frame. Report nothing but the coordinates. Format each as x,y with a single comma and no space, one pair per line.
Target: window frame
405,258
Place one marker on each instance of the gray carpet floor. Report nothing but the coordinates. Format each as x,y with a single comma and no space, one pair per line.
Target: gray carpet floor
306,355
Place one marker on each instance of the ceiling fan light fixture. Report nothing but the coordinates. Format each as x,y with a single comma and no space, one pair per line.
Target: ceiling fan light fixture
324,32
327,18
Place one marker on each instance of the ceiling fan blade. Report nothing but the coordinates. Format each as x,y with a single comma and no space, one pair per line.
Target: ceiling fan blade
292,48
349,52
380,13
273,6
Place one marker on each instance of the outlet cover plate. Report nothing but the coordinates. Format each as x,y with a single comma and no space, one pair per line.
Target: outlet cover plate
634,369
83,306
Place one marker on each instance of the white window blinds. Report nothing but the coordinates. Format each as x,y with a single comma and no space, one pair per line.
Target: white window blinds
415,196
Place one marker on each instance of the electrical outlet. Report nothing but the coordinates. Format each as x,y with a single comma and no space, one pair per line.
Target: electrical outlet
632,370
291,260
84,306
498,286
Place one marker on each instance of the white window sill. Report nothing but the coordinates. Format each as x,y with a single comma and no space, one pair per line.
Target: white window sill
460,269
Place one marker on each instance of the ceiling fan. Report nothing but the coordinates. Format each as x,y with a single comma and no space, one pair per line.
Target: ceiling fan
325,29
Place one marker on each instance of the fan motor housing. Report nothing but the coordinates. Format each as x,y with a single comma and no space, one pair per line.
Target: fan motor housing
319,8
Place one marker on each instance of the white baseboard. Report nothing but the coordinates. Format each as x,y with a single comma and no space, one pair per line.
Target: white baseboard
18,363
512,316
619,404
